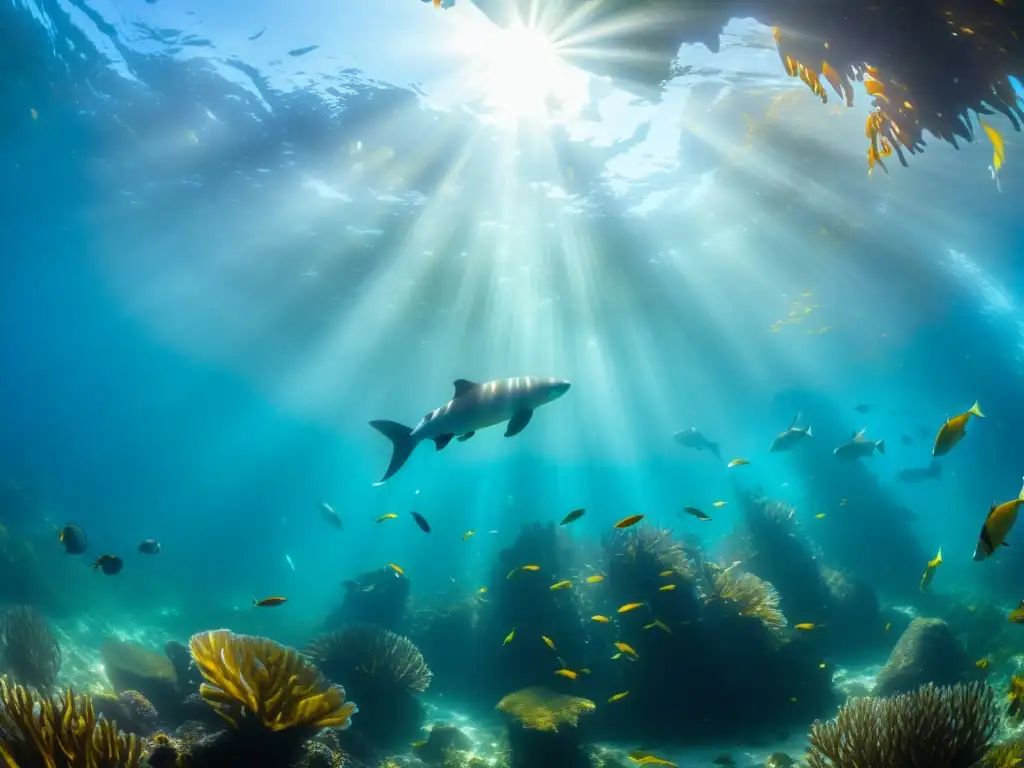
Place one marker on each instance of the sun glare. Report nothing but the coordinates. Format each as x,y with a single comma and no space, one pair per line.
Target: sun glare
517,73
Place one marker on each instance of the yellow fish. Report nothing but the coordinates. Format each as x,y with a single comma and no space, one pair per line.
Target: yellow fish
468,533
529,567
566,673
600,619
618,697
929,571
667,588
982,663
806,627
659,625
953,431
388,516
819,516
482,591
629,607
508,638
548,642
822,665
418,744
595,579
626,648
560,585
669,572
396,569
626,522
737,463
998,150
719,503
997,526
646,758
888,626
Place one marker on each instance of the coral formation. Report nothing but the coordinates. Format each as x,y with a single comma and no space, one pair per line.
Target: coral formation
381,670
60,732
29,652
927,652
1008,755
255,680
366,649
949,727
544,710
751,595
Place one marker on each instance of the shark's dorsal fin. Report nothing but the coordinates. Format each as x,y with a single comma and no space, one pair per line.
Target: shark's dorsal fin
860,435
795,420
462,386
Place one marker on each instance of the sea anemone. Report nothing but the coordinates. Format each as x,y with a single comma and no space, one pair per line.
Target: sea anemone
255,680
365,649
544,710
752,595
950,727
29,652
60,732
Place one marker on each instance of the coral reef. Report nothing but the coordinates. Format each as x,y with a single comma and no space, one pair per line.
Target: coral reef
543,728
746,593
60,732
29,652
378,597
448,635
270,695
381,670
949,727
927,652
1008,755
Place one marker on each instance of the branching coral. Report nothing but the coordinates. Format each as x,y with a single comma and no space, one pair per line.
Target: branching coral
253,679
28,650
936,727
752,595
545,710
60,733
391,659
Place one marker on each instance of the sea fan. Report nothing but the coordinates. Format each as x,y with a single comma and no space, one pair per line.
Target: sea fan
367,650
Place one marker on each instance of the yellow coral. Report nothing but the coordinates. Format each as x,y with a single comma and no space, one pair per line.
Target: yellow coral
543,709
255,677
61,732
755,596
1008,755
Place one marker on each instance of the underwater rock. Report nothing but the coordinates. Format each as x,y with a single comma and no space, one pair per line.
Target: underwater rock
187,674
927,652
443,738
164,752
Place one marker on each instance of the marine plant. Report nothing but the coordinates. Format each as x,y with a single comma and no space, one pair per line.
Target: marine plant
60,732
384,672
29,652
654,545
544,710
1007,755
366,649
255,681
950,727
1015,698
753,596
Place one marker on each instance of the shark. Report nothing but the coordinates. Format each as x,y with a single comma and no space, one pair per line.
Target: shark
474,407
691,438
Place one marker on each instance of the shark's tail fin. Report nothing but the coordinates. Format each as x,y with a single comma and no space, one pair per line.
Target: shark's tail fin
713,447
402,444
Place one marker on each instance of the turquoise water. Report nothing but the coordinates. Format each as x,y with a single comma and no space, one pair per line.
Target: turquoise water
225,254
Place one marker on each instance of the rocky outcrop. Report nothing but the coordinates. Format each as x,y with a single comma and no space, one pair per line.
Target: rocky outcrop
927,652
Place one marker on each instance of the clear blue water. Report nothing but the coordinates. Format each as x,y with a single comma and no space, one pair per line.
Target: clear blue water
222,259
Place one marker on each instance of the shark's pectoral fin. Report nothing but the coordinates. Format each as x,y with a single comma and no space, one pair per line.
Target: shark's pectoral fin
442,440
465,437
518,422
462,386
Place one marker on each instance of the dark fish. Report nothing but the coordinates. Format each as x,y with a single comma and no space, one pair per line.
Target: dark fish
302,51
72,537
109,564
907,440
862,408
696,513
421,521
331,515
150,547
573,516
258,35
691,438
268,602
